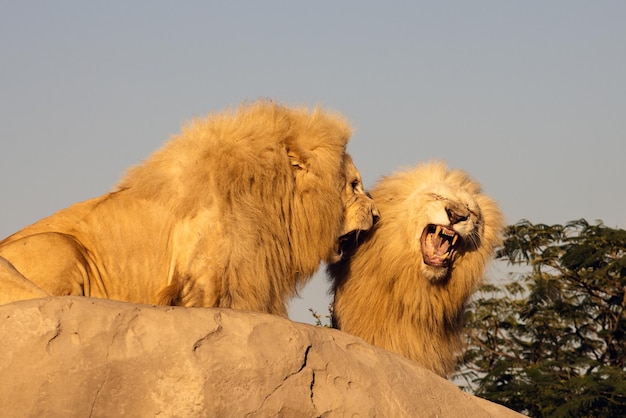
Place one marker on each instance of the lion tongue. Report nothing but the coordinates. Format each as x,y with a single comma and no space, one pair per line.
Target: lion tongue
437,243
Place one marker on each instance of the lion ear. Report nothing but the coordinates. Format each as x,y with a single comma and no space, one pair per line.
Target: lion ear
296,160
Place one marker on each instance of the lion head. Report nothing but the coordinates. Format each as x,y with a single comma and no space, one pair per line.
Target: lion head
405,283
360,212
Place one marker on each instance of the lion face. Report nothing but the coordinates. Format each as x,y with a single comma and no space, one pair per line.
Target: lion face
448,224
360,213
360,210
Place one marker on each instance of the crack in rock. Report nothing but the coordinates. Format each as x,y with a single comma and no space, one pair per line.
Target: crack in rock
218,319
306,358
95,398
57,332
302,367
204,339
311,389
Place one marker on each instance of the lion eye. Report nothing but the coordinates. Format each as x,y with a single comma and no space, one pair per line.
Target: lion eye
354,184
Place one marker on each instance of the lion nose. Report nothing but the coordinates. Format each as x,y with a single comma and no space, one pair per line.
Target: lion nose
455,217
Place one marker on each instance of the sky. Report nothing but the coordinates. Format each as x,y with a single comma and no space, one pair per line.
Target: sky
528,97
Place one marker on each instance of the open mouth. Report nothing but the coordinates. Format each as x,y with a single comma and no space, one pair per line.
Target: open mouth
343,243
438,245
336,255
347,243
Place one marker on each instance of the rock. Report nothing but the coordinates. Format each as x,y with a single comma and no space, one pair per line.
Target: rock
79,357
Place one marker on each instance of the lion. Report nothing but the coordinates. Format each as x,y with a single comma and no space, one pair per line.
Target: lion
237,211
403,286
12,281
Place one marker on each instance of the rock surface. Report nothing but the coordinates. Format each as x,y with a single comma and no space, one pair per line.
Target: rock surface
80,357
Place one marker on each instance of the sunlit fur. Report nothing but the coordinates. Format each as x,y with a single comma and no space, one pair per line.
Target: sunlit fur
237,211
13,283
387,295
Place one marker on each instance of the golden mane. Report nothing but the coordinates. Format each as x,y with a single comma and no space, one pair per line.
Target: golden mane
389,292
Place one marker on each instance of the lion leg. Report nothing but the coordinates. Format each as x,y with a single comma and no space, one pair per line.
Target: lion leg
53,262
14,286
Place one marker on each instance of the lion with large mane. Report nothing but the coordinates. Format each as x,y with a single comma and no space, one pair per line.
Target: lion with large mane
405,283
237,211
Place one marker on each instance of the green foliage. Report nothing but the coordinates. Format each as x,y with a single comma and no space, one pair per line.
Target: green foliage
551,342
318,317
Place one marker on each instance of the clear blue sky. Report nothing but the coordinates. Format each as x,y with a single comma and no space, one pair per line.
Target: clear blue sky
528,97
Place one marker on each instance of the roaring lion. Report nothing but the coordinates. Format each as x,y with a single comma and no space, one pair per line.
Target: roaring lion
404,285
237,211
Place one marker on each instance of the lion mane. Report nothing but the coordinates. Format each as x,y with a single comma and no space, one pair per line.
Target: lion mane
405,284
237,211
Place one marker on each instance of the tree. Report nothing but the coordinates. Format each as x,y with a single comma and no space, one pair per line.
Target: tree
552,342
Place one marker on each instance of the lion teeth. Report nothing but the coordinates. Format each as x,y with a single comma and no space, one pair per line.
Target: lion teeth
438,230
454,238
